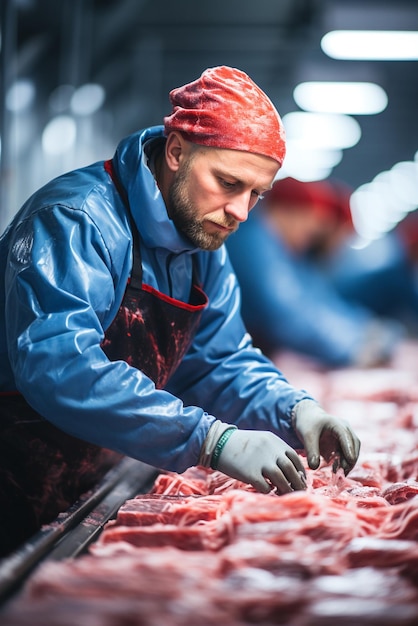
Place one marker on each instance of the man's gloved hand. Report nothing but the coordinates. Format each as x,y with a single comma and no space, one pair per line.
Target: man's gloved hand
325,435
263,460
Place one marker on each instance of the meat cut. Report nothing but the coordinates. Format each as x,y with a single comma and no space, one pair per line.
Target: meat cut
202,548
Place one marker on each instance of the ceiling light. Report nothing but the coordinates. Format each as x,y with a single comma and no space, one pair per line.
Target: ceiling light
20,95
368,212
378,206
87,99
306,174
353,98
371,45
385,182
322,130
404,180
305,162
59,135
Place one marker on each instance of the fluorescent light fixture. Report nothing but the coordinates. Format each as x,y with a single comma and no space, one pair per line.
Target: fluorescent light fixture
385,182
353,98
371,45
404,181
20,95
59,135
378,206
302,150
306,174
327,131
87,99
305,162
369,213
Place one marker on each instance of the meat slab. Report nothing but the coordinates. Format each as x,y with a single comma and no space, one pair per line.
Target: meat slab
204,549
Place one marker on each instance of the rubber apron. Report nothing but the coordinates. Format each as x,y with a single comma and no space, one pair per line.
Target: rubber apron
42,469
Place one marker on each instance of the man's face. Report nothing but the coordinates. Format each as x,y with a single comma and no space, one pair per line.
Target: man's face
213,190
301,228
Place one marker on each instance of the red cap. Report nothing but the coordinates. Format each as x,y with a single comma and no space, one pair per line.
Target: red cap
323,197
408,233
224,108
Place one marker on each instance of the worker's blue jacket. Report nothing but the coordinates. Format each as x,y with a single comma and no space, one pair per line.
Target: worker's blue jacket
288,304
379,276
65,261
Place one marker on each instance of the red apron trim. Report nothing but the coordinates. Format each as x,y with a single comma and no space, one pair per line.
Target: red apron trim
108,165
178,303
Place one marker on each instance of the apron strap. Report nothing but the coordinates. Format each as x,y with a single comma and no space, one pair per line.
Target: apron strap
136,274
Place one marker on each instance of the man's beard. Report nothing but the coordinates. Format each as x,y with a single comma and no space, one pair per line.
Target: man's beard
183,213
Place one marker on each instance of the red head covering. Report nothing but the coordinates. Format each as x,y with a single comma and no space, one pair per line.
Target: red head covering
224,108
324,197
408,233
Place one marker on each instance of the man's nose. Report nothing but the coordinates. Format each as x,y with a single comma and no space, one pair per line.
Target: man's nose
239,207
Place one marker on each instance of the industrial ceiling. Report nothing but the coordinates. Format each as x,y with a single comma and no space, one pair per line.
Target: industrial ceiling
140,49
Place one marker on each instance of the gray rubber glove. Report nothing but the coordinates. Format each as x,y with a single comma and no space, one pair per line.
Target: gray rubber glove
325,435
263,460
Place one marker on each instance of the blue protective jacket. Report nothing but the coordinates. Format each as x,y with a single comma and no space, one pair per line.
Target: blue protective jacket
288,304
65,261
378,276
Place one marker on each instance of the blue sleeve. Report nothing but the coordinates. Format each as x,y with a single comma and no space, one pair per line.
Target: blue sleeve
60,281
378,276
286,304
224,373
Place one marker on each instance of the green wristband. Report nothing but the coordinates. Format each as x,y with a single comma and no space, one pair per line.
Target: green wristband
219,446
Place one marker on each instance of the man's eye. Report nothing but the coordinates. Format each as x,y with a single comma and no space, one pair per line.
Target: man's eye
227,184
255,193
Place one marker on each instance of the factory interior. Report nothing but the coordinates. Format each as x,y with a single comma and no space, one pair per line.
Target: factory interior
147,546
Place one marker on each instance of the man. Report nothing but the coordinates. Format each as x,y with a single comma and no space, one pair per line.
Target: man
119,320
281,257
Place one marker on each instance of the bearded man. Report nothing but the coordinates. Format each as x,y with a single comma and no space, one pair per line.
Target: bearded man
120,326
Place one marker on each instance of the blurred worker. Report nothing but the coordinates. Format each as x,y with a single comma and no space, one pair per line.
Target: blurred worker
383,275
120,323
287,302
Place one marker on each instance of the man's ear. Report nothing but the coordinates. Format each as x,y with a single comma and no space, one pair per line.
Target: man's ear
175,150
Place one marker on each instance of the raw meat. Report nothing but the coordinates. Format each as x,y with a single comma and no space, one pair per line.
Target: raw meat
202,548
